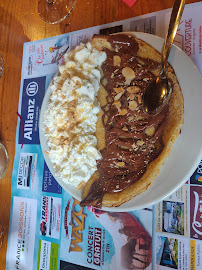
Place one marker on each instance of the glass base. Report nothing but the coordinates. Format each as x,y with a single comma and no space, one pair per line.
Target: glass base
54,11
1,65
3,161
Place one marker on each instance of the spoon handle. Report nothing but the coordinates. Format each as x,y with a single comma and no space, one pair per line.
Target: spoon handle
175,17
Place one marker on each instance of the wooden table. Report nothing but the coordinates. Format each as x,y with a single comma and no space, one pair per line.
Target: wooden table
19,23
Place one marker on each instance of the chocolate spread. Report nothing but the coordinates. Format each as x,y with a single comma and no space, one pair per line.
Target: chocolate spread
133,139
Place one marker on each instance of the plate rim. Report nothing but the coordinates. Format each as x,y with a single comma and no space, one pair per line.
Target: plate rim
122,208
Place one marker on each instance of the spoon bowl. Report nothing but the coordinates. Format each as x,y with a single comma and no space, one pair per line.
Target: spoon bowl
158,92
157,95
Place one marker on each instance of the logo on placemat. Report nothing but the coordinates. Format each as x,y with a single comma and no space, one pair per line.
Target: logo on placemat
66,218
33,93
196,212
78,225
43,228
32,89
196,178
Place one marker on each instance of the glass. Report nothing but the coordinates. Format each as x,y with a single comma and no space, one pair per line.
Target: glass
3,161
54,11
1,236
1,65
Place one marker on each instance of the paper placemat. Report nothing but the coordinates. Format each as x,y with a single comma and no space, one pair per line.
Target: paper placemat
48,229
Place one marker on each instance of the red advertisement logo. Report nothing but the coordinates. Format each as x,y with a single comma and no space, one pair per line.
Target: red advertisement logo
196,212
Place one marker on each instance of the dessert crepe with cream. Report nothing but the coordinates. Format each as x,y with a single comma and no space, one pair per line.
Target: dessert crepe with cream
98,135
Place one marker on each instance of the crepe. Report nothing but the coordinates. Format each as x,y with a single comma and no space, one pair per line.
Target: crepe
170,132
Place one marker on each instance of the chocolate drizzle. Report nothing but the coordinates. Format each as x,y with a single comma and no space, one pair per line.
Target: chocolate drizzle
133,139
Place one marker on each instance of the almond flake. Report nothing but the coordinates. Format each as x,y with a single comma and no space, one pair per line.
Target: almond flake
118,96
104,81
120,164
133,89
131,118
140,142
117,104
119,90
116,60
105,119
127,82
132,105
109,100
128,73
131,96
125,128
123,112
150,131
139,97
106,108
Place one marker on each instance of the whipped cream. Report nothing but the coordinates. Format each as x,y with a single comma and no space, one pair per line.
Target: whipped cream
71,115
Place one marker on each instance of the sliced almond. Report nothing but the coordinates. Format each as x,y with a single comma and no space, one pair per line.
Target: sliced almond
119,90
140,142
132,105
120,164
118,96
125,128
133,89
109,100
150,131
131,118
106,108
131,96
123,112
139,98
139,117
134,147
105,119
128,81
128,73
117,104
116,60
105,81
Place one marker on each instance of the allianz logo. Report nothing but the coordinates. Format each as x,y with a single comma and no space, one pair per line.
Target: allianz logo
32,89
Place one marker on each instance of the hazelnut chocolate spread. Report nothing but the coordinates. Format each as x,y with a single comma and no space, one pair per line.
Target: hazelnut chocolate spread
133,139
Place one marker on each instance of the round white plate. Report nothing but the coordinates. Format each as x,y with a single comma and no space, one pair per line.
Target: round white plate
187,151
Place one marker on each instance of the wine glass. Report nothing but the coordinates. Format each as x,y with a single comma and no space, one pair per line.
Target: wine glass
3,160
1,65
54,11
1,236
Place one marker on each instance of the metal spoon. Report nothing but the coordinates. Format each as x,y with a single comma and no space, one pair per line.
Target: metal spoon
159,91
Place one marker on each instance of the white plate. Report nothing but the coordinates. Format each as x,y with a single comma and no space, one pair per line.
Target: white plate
187,151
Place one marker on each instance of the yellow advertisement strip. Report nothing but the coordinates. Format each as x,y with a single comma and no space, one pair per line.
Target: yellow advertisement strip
192,254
